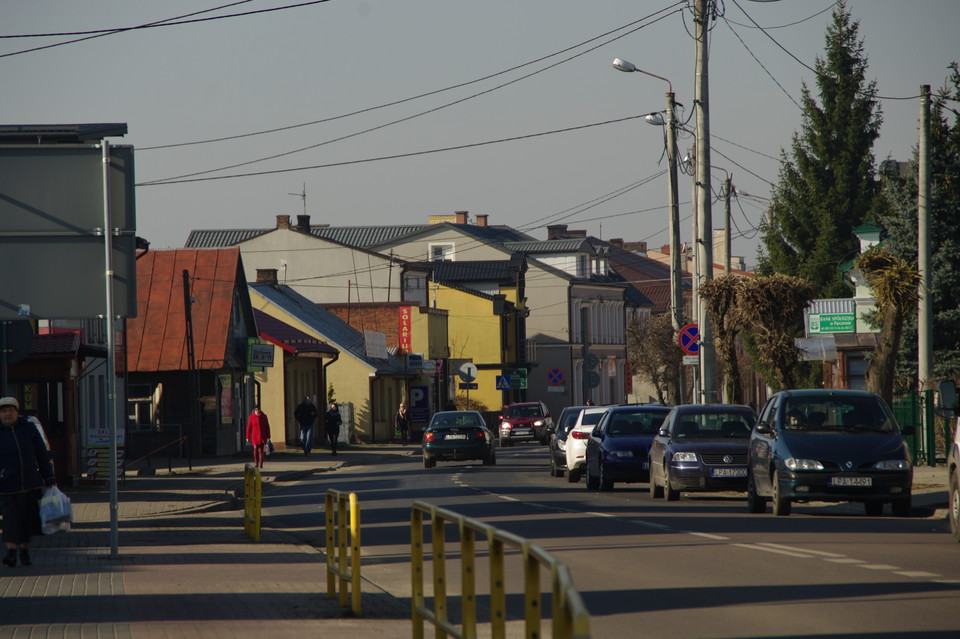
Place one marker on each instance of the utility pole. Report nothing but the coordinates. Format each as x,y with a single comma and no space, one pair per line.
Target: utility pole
708,363
925,303
676,284
727,261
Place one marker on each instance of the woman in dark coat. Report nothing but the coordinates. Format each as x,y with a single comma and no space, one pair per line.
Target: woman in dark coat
402,422
25,469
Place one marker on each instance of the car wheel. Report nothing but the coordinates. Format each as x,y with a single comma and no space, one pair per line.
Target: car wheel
901,507
755,503
668,491
656,490
873,508
592,482
573,476
605,481
955,506
428,462
781,506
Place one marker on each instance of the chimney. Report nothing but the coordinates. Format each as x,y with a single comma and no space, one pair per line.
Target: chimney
283,221
461,217
482,219
616,241
665,249
577,233
268,275
556,231
303,223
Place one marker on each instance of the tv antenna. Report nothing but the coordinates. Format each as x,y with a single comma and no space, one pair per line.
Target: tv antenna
303,196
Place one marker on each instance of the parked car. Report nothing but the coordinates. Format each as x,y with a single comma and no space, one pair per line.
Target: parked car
525,421
458,436
701,448
953,461
829,445
558,439
618,449
576,445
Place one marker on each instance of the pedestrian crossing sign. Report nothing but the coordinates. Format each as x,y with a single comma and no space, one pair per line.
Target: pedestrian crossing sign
503,382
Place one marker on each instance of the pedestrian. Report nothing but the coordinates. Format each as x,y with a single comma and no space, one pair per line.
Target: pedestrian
589,402
331,424
306,415
402,423
258,434
25,469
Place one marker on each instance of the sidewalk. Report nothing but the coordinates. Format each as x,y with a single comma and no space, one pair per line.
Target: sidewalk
185,569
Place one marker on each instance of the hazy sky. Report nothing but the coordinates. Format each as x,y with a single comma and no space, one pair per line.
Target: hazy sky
231,77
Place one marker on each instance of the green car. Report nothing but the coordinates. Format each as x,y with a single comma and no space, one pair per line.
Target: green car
458,436
828,445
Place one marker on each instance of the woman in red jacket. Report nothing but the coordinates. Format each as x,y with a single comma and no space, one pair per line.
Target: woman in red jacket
258,433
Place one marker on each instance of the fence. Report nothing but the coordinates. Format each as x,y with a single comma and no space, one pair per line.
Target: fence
252,494
341,532
570,619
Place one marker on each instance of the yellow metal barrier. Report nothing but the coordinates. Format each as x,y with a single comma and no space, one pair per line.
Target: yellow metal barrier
340,534
569,616
252,493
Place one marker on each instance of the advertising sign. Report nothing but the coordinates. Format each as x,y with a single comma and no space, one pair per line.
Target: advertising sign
404,334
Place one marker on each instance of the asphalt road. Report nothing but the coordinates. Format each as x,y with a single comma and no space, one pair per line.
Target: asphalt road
701,567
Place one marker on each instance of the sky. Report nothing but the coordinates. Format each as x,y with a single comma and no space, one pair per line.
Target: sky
360,104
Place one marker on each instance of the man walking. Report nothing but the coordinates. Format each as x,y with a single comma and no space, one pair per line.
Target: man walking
331,425
306,415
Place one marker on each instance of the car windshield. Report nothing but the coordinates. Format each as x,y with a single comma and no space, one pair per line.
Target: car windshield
636,423
447,420
836,413
524,411
714,424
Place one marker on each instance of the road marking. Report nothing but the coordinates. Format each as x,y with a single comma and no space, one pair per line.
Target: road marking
507,498
846,560
916,573
608,515
804,550
878,567
706,535
779,551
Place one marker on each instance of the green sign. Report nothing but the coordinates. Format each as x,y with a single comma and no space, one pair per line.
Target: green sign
518,377
833,323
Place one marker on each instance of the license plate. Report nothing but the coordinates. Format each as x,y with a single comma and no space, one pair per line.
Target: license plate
521,432
851,481
645,465
728,472
456,436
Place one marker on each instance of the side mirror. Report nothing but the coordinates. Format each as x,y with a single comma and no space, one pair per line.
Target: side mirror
763,428
663,432
596,433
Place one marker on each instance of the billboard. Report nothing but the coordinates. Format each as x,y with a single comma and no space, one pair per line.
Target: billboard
51,231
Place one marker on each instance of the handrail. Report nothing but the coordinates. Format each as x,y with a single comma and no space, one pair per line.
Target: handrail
179,440
341,532
569,616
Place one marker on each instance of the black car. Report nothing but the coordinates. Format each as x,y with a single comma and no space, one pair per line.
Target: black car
619,446
558,439
701,448
829,445
458,436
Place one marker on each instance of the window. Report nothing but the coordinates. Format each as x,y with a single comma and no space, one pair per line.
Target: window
441,252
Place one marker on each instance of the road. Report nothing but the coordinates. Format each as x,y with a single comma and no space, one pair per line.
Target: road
701,567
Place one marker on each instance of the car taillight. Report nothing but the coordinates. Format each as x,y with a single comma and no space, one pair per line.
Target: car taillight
428,437
579,434
480,434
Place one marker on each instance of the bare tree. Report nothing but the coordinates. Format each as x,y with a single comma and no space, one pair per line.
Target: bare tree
894,284
654,353
721,297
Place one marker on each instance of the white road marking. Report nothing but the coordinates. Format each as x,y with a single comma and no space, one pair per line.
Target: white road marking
804,550
775,550
917,573
706,535
878,567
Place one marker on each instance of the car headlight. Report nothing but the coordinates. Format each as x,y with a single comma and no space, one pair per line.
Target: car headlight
505,426
685,457
539,422
620,453
892,464
802,464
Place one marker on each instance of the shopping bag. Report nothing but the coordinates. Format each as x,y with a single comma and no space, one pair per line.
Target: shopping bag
56,511
269,448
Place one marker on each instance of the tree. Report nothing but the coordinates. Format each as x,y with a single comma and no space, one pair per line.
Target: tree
721,297
829,187
771,309
653,352
331,395
894,285
900,186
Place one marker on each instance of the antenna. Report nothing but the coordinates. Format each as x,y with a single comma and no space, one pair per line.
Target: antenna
303,196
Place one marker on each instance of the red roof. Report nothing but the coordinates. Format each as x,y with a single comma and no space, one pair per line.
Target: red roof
156,338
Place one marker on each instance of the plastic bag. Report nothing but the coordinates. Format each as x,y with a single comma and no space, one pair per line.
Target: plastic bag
56,511
269,448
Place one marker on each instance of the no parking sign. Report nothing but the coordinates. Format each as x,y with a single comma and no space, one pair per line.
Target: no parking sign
690,339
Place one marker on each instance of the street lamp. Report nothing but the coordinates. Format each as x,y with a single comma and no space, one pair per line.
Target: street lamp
676,290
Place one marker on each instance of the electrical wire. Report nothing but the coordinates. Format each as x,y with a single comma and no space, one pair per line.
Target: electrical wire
765,69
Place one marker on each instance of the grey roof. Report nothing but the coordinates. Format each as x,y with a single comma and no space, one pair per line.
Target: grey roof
218,238
334,330
476,270
365,236
567,245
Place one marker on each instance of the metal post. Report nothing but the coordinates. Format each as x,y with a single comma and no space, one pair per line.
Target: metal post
111,352
676,286
925,303
727,260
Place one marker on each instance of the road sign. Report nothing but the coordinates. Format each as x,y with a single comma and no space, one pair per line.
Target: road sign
591,361
691,360
690,339
468,372
415,361
468,386
555,377
503,382
833,323
592,379
518,377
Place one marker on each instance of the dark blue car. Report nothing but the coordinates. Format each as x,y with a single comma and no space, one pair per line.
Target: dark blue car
701,448
619,446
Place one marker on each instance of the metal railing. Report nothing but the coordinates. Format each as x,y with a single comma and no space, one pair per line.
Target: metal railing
569,616
343,530
252,494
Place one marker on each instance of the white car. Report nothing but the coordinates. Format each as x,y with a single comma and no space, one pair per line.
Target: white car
577,441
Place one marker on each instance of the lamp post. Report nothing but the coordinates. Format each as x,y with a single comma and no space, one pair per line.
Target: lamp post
676,289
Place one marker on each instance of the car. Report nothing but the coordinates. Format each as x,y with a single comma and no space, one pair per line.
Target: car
525,421
701,448
618,449
953,459
832,446
558,439
459,435
577,436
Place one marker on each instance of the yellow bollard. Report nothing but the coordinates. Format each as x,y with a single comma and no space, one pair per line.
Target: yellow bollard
252,494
